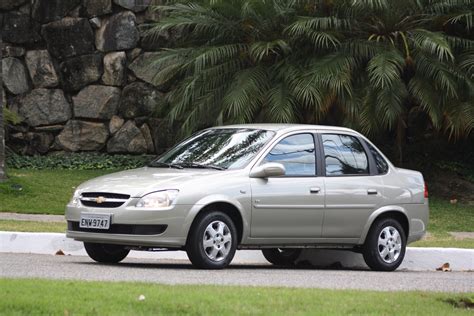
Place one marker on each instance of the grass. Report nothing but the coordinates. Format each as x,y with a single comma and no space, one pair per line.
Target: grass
48,297
48,191
32,226
42,191
446,217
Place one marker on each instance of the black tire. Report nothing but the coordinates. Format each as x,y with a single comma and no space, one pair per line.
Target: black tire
282,257
106,253
198,254
371,250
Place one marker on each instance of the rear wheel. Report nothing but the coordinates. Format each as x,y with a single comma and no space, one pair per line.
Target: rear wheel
106,253
385,245
281,256
212,241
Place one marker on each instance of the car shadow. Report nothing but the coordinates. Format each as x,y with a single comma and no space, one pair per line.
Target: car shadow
185,265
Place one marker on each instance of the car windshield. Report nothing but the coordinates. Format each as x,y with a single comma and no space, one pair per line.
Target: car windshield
229,148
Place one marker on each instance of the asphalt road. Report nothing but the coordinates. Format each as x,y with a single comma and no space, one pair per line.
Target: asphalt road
181,272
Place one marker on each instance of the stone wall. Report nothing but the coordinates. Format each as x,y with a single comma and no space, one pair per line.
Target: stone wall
77,73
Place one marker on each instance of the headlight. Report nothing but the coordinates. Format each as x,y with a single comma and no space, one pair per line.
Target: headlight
160,199
75,198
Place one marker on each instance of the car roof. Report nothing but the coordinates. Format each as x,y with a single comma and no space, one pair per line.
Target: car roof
286,127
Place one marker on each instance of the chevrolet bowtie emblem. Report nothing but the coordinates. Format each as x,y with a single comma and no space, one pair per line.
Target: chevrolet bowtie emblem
100,199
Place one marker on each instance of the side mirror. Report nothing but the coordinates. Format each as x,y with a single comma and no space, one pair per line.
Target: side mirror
271,169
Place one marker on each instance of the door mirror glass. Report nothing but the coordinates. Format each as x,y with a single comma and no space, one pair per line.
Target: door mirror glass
271,169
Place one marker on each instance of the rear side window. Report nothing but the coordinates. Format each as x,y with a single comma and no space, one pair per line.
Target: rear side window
344,155
296,153
382,165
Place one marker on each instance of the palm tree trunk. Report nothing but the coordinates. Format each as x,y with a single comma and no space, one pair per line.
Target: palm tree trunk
3,175
400,139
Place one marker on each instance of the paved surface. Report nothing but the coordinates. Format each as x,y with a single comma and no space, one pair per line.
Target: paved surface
416,259
181,272
32,217
462,235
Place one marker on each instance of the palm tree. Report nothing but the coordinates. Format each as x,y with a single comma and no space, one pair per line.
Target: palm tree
375,61
3,175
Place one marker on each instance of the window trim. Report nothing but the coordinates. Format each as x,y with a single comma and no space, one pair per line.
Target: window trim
370,159
313,134
367,149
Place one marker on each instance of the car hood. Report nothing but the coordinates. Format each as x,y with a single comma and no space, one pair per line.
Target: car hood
137,182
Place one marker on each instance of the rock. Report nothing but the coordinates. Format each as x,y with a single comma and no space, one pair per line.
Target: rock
162,134
148,139
165,39
82,136
152,14
10,4
39,142
134,5
18,28
97,7
46,11
31,143
128,139
44,107
80,71
119,32
69,37
76,12
49,128
95,23
133,53
14,75
25,9
145,69
96,102
131,78
139,99
114,69
41,68
115,124
12,51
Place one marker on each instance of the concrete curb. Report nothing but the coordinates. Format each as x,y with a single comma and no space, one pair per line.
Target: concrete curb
416,259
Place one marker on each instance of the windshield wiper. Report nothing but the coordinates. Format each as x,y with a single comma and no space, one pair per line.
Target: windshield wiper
164,164
199,165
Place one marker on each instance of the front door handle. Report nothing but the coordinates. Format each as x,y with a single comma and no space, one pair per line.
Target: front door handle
372,192
314,190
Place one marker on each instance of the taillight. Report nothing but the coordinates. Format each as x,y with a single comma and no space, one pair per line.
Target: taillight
426,191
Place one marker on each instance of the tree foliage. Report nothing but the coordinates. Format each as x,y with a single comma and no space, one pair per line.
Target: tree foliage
375,61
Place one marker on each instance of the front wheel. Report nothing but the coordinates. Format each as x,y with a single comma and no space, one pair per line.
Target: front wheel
281,257
385,245
106,253
212,241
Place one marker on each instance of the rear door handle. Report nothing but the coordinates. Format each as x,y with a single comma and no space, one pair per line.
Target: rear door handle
314,190
371,191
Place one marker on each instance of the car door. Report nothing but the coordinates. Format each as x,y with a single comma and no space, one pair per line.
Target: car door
292,205
353,190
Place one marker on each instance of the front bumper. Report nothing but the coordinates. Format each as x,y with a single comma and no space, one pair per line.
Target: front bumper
128,226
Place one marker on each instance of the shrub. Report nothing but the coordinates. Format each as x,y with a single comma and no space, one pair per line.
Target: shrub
77,161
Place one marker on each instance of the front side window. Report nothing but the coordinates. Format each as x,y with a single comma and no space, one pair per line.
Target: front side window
344,155
229,148
296,153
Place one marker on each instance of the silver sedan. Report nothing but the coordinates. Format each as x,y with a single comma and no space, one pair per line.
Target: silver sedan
274,187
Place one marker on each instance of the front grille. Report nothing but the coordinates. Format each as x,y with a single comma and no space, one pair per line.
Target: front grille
103,199
121,229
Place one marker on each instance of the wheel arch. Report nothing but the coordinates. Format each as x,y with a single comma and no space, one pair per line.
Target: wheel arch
395,212
228,206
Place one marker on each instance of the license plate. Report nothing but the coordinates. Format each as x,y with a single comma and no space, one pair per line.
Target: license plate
97,221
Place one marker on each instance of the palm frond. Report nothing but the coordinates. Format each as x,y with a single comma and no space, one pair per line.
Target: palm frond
385,68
